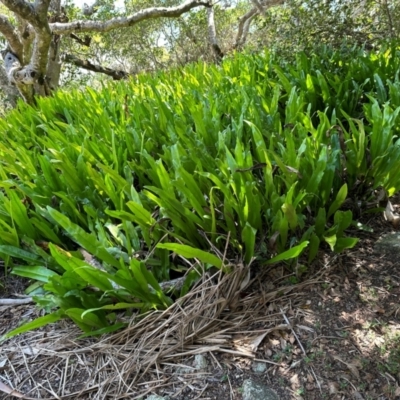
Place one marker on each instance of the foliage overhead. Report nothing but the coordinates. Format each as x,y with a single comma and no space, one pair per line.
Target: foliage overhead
116,42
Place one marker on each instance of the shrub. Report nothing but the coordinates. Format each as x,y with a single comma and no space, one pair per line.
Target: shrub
99,188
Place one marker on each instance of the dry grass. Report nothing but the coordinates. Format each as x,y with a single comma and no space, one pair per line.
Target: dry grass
216,316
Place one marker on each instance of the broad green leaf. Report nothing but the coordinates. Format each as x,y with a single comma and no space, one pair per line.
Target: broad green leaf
320,222
191,252
118,306
324,86
38,273
249,239
87,322
343,220
288,254
15,252
290,213
331,240
46,230
19,214
84,239
340,198
345,243
313,248
93,276
37,323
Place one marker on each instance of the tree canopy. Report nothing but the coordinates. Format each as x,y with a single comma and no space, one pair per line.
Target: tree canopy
46,42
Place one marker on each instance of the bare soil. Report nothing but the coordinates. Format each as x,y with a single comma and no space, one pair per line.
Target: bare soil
343,340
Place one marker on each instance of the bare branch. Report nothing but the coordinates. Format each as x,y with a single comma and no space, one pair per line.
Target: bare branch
86,64
240,36
11,34
84,42
123,22
245,20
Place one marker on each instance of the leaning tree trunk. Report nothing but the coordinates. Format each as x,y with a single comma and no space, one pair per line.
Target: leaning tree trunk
25,61
32,60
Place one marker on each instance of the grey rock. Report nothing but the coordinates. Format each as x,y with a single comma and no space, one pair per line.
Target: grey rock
185,370
389,243
256,391
259,367
200,362
157,397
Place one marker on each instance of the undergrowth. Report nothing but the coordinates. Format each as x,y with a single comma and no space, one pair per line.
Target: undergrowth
107,193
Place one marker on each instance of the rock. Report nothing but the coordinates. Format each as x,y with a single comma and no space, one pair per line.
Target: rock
157,397
200,362
256,391
185,370
259,367
389,243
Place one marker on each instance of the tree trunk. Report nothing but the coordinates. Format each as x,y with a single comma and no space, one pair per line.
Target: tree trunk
11,93
212,34
32,59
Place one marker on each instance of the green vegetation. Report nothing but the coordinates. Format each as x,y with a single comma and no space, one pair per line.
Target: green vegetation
200,162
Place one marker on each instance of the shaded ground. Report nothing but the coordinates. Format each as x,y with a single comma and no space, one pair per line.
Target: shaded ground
343,341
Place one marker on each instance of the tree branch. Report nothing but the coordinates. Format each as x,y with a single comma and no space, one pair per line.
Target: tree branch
11,34
86,64
123,22
258,6
23,9
245,20
15,302
26,35
241,35
84,42
41,7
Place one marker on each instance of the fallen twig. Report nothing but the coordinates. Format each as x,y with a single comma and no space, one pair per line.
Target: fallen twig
15,302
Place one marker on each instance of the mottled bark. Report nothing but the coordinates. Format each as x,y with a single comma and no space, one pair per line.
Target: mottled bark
11,34
34,72
10,91
54,62
212,35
